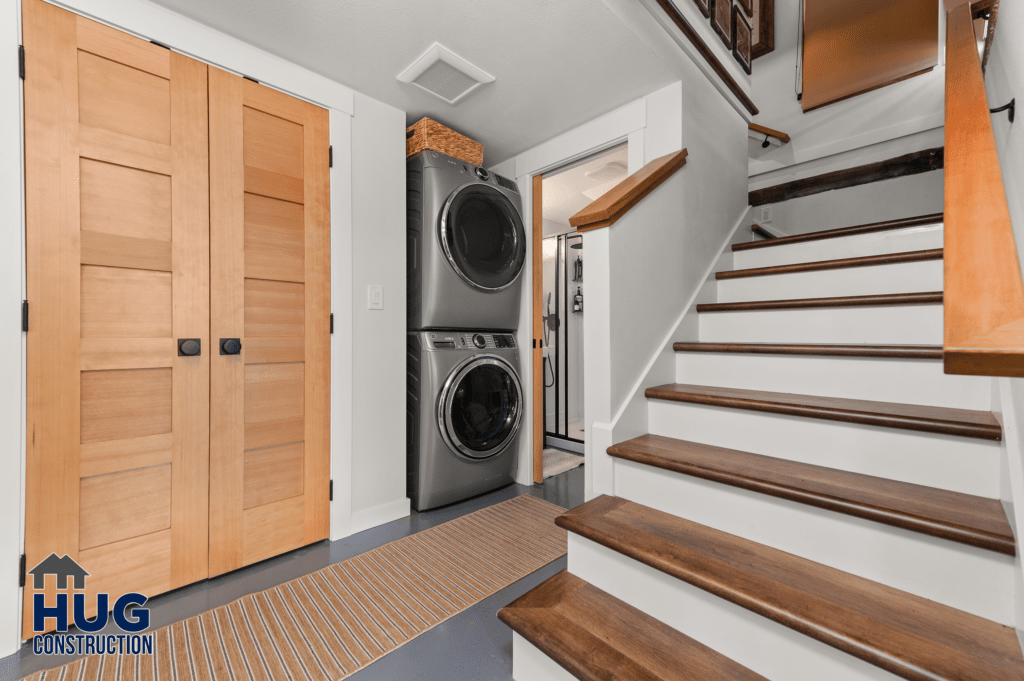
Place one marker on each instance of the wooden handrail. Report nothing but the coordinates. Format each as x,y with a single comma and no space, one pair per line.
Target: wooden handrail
764,130
984,293
617,201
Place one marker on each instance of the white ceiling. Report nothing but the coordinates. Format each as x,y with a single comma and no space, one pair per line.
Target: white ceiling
557,63
573,189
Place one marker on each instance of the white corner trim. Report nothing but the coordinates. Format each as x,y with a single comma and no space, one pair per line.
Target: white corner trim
341,307
378,515
668,340
12,340
152,22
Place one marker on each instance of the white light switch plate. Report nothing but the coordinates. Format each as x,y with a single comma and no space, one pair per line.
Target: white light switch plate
766,214
374,297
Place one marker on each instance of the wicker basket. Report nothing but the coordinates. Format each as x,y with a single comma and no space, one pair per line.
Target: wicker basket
428,134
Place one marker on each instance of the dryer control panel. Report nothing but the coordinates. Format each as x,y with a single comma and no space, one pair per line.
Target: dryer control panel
470,340
482,174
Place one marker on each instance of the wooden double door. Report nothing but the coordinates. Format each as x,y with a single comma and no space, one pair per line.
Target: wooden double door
170,208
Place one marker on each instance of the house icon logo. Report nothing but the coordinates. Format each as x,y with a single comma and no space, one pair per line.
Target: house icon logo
127,613
63,567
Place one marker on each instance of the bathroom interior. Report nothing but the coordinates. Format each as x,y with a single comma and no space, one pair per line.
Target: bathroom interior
566,191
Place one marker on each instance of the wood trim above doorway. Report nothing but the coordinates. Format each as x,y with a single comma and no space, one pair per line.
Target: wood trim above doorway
538,270
538,330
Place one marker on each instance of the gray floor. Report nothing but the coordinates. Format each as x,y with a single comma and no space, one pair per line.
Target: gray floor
473,645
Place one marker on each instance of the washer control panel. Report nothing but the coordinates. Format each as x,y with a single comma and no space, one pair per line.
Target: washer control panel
468,340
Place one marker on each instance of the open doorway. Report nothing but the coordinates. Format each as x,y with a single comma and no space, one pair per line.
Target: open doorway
559,305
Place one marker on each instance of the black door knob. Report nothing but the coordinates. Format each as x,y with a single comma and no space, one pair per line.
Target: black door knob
230,346
189,347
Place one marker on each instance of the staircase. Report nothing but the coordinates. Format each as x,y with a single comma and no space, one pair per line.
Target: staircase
815,499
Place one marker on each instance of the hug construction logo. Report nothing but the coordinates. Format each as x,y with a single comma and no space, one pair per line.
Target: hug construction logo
70,581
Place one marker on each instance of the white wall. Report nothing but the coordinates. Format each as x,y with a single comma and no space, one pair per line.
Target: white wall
1004,80
894,111
902,197
379,336
652,272
659,260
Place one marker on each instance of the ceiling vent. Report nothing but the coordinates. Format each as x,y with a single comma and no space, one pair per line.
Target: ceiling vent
444,74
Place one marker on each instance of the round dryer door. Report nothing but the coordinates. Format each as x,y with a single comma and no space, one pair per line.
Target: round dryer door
481,407
483,237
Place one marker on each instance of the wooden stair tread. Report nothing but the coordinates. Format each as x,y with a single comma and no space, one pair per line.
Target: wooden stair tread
962,518
843,263
896,351
944,420
905,634
595,636
844,231
887,300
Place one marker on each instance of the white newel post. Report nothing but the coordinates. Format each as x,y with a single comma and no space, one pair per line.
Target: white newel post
597,372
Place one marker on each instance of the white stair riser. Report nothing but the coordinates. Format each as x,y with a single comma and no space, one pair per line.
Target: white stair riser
876,243
772,650
959,464
907,381
912,277
926,566
897,325
529,663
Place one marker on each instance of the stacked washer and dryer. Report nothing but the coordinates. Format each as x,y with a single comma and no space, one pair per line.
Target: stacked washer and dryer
466,251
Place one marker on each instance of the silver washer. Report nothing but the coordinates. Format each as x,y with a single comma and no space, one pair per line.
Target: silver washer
444,406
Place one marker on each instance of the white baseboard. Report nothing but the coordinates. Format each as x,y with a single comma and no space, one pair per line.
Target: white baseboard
378,515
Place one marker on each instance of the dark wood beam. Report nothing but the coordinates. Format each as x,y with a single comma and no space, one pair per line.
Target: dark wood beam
908,164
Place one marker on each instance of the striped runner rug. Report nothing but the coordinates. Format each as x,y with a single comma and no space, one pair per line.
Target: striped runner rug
331,623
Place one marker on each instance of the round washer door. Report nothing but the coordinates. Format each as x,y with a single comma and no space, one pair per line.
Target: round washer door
483,237
481,407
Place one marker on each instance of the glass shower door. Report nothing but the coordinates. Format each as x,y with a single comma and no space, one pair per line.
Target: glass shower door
563,342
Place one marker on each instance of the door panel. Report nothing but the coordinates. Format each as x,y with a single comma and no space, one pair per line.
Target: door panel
270,459
117,245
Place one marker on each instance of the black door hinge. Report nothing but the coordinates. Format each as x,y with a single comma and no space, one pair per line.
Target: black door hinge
24,316
252,79
166,47
331,493
332,322
330,156
21,61
535,343
21,571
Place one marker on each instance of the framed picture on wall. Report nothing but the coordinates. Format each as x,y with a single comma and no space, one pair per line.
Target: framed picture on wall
747,6
741,39
762,39
721,20
702,5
